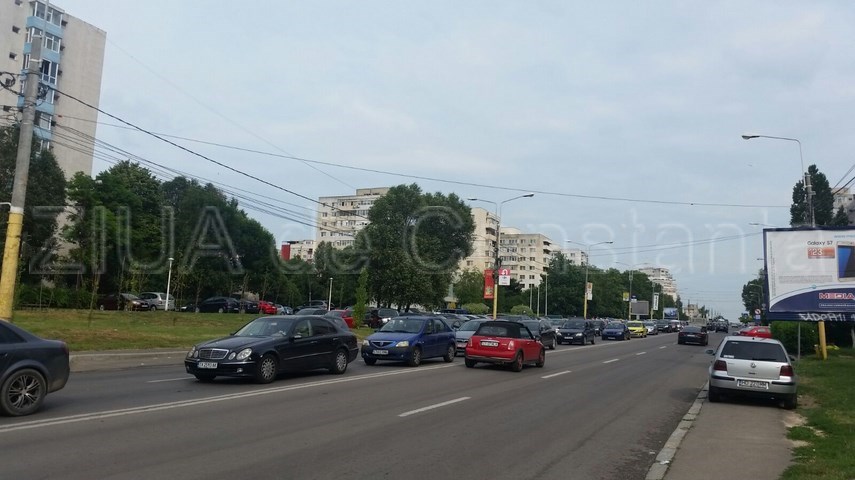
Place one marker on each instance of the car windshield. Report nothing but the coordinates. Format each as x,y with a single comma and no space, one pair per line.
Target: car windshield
758,351
615,325
470,326
574,324
634,324
265,327
403,325
649,324
556,322
335,313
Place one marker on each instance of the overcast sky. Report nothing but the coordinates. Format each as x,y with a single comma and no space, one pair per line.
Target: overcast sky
608,110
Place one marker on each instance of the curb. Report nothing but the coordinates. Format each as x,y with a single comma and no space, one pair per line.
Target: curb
659,468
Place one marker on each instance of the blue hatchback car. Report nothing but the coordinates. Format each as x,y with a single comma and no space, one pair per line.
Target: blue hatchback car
410,339
616,331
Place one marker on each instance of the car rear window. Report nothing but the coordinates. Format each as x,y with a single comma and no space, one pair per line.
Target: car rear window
760,351
498,331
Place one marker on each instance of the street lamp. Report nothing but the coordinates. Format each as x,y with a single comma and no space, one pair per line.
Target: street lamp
168,281
496,262
629,301
329,303
805,173
585,292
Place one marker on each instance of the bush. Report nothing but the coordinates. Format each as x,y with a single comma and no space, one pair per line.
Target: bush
788,333
521,310
57,297
476,308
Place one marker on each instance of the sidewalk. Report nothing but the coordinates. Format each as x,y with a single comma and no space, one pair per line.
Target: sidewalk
732,439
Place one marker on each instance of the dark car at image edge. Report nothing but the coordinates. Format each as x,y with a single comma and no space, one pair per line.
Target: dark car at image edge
30,368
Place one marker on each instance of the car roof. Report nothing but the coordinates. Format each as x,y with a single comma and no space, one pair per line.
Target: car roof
743,338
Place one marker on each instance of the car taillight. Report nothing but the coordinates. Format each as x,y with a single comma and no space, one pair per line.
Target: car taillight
511,345
469,342
720,366
786,371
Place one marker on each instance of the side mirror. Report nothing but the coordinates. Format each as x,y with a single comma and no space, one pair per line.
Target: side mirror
710,351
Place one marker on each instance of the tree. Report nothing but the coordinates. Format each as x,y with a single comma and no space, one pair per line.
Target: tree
44,201
841,219
414,243
752,295
469,287
360,306
823,200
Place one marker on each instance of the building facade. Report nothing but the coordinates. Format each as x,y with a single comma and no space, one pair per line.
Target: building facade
843,198
662,277
341,218
526,255
72,62
483,241
302,249
575,256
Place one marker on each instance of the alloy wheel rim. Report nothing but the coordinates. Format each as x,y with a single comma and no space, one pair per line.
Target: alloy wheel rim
24,392
341,361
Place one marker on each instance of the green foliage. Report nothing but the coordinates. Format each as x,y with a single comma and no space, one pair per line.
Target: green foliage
469,287
841,219
476,308
823,200
753,295
415,242
44,201
521,310
360,307
52,297
788,334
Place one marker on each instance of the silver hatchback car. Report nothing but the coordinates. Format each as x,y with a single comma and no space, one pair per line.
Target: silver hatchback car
753,366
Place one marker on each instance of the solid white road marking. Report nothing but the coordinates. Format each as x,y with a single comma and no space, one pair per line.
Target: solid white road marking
431,407
170,379
640,353
556,374
663,346
612,360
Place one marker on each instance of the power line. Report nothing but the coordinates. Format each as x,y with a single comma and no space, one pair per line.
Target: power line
448,181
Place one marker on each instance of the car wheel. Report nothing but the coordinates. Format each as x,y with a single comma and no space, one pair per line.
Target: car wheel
415,357
153,308
267,369
517,364
220,310
469,363
205,377
369,361
593,340
450,354
196,309
541,359
339,363
584,340
101,307
553,344
714,395
23,393
791,402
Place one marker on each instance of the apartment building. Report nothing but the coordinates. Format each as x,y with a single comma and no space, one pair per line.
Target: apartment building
662,277
575,256
72,62
844,198
340,218
484,241
527,255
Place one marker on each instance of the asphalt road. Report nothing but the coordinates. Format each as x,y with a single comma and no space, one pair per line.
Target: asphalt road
594,412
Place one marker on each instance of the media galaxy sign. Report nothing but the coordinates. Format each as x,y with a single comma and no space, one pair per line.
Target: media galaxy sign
810,274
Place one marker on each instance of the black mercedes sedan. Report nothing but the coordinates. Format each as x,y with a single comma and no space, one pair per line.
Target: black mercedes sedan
30,368
268,346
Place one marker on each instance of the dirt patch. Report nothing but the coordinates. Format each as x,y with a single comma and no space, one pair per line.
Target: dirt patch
806,401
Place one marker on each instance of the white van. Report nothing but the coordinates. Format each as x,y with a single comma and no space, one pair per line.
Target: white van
158,299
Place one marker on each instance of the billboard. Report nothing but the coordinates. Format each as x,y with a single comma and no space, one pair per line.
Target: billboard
640,307
670,313
489,285
810,274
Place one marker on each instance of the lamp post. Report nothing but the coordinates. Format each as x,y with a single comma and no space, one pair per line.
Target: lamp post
329,303
496,262
587,263
168,282
812,219
629,301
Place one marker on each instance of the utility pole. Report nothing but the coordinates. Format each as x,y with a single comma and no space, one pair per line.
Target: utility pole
9,269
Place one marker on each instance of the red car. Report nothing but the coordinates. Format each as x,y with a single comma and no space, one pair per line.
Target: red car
504,343
346,315
762,332
266,308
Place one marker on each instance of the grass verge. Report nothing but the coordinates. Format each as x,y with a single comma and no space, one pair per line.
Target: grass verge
85,330
827,395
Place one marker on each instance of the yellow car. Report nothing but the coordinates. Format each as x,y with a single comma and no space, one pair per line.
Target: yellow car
637,329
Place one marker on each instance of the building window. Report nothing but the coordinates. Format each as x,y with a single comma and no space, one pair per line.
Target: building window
323,234
15,29
50,14
49,71
13,55
44,120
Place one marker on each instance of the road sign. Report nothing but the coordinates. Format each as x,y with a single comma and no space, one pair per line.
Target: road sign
504,277
757,311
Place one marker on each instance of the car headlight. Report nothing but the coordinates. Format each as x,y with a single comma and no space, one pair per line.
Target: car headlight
244,354
403,343
578,334
192,353
365,343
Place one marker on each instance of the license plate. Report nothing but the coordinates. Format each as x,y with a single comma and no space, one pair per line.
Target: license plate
753,384
380,352
489,343
207,364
